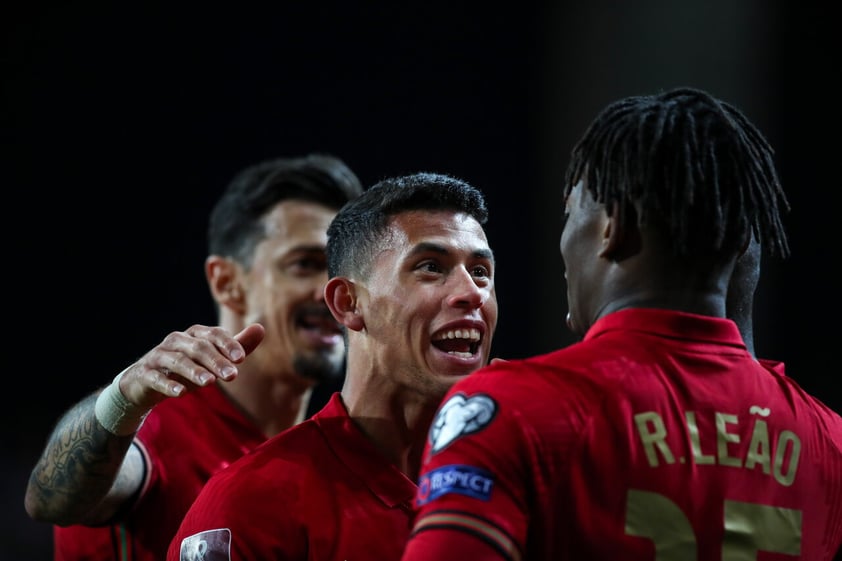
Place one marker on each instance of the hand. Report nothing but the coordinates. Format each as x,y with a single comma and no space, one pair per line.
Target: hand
185,360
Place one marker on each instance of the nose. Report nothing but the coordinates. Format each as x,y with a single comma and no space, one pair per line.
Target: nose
466,292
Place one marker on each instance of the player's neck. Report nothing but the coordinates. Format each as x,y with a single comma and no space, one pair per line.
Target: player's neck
273,405
395,425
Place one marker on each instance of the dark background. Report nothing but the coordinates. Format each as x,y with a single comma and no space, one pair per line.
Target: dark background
121,124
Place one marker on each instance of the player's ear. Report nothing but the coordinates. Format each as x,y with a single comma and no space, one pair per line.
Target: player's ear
341,297
223,276
621,236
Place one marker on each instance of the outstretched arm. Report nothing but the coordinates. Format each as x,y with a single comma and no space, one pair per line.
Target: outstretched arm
89,467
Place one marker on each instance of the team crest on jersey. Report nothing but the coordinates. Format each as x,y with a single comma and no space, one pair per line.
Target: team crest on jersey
460,416
464,480
211,545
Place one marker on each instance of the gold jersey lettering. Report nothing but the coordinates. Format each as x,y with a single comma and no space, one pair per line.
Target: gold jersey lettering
723,437
699,457
653,433
759,453
787,440
776,457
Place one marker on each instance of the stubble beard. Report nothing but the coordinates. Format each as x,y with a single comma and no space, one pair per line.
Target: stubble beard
319,366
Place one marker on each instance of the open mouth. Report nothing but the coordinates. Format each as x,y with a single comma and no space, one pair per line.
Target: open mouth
462,342
318,322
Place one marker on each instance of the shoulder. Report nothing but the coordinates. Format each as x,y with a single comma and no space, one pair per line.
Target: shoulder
271,466
258,499
269,474
523,391
200,428
565,389
569,371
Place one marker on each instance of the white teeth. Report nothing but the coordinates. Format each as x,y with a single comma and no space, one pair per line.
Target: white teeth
461,355
471,334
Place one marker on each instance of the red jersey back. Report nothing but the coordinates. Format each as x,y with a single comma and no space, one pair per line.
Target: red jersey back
658,437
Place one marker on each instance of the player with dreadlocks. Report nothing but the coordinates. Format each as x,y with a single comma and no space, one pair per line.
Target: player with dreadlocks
658,436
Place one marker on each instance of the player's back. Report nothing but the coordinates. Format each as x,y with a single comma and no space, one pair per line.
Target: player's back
657,438
693,450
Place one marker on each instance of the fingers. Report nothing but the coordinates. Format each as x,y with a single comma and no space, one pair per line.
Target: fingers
188,359
250,337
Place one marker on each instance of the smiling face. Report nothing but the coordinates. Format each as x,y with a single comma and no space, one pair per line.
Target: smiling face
285,293
428,307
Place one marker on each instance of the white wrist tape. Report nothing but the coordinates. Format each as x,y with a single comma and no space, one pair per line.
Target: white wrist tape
116,413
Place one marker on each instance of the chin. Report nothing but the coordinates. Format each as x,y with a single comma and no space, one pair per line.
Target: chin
320,366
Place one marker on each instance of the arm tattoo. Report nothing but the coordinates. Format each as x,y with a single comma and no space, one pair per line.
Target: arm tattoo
78,465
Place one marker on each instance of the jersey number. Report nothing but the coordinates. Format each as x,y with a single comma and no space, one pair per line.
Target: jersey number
749,528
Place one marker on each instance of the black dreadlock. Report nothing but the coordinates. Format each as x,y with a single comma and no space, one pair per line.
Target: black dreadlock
694,166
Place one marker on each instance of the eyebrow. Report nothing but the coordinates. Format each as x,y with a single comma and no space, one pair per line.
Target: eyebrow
425,247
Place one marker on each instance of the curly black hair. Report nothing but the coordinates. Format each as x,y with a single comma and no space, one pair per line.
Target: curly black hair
687,163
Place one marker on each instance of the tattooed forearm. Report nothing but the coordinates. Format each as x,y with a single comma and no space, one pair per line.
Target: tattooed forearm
77,468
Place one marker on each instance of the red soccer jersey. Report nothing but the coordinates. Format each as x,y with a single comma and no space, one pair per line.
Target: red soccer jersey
657,437
318,491
185,441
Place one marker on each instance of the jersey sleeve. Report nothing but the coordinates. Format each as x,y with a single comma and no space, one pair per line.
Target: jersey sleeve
473,458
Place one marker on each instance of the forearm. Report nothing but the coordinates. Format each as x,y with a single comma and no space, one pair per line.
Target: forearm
89,469
77,470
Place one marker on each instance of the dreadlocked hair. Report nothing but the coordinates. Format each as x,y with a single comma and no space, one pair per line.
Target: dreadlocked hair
691,165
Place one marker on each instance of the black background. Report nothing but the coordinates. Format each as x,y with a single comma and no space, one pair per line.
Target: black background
122,123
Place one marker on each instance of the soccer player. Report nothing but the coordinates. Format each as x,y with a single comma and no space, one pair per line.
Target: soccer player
658,436
116,485
412,282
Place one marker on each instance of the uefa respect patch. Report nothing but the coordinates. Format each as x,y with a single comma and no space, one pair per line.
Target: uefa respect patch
464,480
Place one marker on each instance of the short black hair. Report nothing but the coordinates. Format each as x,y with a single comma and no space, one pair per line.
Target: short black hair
356,231
236,225
692,165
